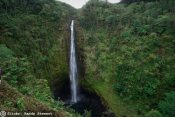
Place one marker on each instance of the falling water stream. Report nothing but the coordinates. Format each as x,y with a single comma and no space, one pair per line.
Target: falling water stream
78,98
73,67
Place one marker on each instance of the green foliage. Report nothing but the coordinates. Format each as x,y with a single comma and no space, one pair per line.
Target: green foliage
5,53
131,47
38,22
111,19
16,71
138,28
32,46
87,113
20,104
8,103
167,106
126,34
25,90
153,113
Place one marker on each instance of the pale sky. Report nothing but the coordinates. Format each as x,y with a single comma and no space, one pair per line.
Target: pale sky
80,3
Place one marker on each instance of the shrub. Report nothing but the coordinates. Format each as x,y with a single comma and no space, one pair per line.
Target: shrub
167,106
20,104
153,113
5,53
16,70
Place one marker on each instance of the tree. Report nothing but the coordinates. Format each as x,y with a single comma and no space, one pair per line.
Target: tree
131,1
153,113
167,106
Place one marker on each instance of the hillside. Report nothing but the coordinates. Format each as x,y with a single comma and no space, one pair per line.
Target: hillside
33,53
129,55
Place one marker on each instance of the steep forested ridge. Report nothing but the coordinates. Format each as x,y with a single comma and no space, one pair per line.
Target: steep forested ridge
126,54
33,52
130,48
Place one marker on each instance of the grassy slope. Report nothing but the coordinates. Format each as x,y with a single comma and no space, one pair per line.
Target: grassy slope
110,98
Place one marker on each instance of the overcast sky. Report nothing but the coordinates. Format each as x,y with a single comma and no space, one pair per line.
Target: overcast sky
80,3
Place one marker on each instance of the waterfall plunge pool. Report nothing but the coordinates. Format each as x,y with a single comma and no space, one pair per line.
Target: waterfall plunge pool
88,100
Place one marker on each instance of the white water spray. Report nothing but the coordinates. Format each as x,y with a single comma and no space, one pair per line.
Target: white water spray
73,67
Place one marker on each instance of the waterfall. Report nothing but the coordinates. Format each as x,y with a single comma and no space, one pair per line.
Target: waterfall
73,67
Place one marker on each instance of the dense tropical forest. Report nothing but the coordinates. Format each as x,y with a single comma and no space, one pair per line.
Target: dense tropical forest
125,54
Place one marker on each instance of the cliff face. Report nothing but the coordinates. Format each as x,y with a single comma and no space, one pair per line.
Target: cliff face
80,41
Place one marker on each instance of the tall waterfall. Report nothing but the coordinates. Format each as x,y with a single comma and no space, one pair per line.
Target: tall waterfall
73,67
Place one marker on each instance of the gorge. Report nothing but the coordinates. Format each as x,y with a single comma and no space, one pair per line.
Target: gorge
100,60
74,94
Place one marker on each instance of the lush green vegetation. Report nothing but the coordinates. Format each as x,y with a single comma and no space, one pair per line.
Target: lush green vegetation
131,47
33,50
128,51
31,29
